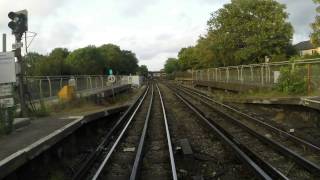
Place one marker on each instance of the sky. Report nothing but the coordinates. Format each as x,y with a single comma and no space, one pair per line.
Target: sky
153,29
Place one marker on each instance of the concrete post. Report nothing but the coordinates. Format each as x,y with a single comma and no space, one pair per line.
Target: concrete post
309,79
251,70
101,78
216,74
241,75
227,74
4,42
238,73
40,89
50,87
262,77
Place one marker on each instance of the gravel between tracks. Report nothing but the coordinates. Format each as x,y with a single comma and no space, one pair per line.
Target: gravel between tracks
123,157
156,162
284,164
211,159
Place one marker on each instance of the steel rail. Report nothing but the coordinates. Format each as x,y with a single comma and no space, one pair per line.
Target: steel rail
137,164
241,155
95,154
287,152
270,127
172,162
115,144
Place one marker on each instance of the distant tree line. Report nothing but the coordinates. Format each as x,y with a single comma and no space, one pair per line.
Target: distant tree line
89,60
242,32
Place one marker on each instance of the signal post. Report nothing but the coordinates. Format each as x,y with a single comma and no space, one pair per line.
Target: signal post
19,26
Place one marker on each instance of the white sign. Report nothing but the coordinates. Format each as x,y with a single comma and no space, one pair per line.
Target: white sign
111,78
7,102
17,45
7,68
5,90
276,75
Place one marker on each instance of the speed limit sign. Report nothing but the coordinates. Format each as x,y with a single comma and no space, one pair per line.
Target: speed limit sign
111,78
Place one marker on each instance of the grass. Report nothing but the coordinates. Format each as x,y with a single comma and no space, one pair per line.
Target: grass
259,94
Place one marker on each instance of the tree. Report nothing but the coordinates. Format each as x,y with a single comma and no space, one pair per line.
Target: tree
204,53
88,60
171,65
32,61
120,61
58,56
315,35
53,64
188,58
143,71
128,63
245,31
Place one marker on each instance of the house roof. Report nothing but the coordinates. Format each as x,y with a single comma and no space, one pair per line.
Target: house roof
304,45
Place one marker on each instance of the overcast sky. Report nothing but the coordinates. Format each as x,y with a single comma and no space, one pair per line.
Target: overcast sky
153,29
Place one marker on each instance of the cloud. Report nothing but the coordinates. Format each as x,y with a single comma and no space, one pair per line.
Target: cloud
59,34
301,15
36,8
132,8
38,12
153,29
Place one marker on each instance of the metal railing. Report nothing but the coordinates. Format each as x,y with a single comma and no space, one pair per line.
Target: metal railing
49,86
264,74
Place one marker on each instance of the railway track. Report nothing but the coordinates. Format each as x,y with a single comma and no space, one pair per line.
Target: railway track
210,158
282,157
139,145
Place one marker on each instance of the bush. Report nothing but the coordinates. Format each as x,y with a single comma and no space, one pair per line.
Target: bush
42,111
292,80
6,120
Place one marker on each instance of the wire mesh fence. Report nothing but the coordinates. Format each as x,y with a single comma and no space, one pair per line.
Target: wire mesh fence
49,86
264,74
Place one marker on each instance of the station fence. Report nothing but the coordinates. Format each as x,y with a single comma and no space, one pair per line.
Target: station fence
261,75
48,86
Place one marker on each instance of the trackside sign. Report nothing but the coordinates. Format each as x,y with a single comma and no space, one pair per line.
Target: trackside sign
7,68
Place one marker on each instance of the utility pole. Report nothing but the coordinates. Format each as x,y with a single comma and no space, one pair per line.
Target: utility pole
19,25
21,78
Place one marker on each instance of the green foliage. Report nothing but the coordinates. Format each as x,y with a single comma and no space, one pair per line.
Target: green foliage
86,60
120,61
242,32
42,111
89,60
188,58
143,71
6,120
315,35
171,65
292,81
307,56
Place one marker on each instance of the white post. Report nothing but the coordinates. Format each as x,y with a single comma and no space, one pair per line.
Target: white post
241,75
238,78
61,82
50,90
40,89
216,74
90,82
261,70
251,70
213,77
227,74
101,77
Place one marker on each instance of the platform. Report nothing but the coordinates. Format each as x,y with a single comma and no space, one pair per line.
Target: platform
25,144
42,133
